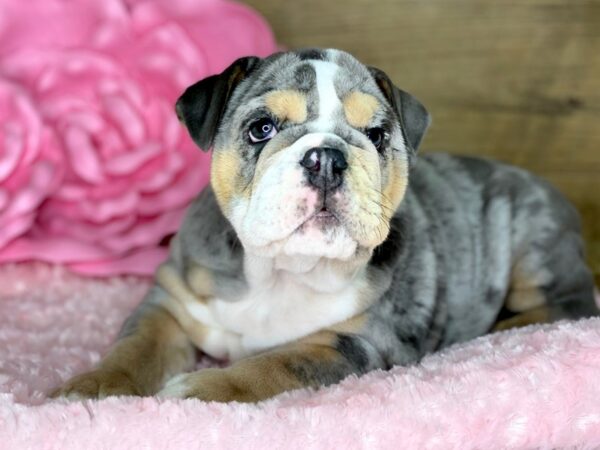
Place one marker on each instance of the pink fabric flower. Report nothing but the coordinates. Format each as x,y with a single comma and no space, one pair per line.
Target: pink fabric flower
30,166
106,95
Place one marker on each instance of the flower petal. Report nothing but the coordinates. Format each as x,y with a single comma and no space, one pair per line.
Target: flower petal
131,161
125,118
82,155
137,262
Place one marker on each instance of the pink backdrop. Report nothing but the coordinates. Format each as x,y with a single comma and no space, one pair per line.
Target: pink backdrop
95,169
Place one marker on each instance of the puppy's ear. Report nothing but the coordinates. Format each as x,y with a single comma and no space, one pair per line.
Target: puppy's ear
202,105
414,118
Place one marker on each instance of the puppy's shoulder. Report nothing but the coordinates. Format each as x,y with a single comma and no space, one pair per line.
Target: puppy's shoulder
206,237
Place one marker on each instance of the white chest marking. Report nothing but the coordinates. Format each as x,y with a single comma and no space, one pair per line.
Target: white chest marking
280,308
329,101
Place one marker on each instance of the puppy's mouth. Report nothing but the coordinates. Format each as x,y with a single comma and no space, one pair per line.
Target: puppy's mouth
324,213
324,217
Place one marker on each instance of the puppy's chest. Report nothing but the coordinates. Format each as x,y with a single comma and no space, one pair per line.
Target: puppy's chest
279,309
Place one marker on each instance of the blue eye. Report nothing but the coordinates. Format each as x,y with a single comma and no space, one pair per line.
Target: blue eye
262,130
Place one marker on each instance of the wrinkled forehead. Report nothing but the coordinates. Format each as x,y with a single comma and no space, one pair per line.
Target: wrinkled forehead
313,86
304,69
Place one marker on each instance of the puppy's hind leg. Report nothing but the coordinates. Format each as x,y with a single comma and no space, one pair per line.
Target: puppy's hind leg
549,284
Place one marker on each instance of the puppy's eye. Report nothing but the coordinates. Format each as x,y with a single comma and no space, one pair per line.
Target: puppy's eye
376,136
262,130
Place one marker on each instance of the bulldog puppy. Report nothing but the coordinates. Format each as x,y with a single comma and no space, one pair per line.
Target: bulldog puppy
322,247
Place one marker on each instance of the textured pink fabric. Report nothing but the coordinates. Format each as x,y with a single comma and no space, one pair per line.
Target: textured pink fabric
532,388
95,169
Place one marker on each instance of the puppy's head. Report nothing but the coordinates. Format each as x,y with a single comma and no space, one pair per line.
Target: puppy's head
310,150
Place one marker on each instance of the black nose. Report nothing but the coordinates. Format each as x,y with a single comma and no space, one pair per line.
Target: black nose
324,167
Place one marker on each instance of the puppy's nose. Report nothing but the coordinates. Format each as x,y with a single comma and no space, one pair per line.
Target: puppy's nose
324,167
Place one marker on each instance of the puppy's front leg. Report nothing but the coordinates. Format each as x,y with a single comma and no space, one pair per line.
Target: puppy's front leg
318,360
152,348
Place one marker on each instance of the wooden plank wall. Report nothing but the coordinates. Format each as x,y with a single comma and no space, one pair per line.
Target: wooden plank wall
516,80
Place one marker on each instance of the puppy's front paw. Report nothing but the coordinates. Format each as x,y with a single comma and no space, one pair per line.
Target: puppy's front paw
98,383
211,385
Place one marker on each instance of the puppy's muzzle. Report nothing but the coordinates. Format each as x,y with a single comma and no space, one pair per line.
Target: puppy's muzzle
324,167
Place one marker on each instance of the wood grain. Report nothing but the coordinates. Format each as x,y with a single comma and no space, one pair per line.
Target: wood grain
518,81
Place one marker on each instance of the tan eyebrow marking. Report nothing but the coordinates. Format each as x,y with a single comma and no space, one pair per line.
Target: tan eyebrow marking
287,104
360,108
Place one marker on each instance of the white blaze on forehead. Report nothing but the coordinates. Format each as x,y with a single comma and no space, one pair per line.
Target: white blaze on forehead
329,101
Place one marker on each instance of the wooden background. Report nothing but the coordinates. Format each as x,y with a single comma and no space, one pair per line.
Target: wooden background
516,80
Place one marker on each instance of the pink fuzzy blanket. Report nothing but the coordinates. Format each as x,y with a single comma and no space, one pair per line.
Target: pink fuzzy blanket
537,387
